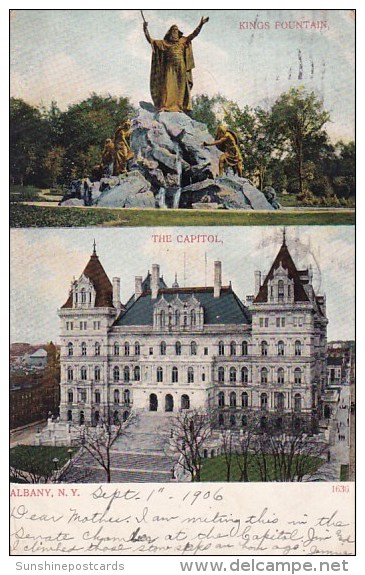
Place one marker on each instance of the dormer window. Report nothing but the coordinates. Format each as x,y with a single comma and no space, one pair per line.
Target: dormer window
280,291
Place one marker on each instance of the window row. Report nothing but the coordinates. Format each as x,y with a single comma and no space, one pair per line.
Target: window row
128,373
263,422
279,400
164,319
82,396
233,375
115,417
280,375
280,348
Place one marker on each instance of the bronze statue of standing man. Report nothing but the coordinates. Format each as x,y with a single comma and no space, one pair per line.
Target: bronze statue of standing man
171,69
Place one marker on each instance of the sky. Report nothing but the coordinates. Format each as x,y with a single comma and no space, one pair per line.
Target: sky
45,261
64,55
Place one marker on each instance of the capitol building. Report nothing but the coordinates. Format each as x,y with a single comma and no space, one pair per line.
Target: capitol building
176,348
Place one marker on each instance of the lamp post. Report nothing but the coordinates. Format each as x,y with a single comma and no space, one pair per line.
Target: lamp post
55,461
70,452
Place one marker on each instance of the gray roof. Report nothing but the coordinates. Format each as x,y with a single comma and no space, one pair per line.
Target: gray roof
227,309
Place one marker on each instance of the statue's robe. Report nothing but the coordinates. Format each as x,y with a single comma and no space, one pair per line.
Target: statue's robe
123,150
171,74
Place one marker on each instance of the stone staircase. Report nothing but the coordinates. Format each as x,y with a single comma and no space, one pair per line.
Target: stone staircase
139,457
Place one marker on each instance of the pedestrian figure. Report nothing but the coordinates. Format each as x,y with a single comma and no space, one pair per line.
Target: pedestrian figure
328,456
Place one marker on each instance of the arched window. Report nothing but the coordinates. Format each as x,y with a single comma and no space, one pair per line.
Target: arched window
175,375
232,420
221,420
264,348
116,373
298,347
185,401
232,399
70,374
97,348
97,373
159,374
221,399
137,348
70,349
190,375
83,373
232,375
163,348
127,396
116,396
279,400
280,376
137,373
263,400
177,317
280,291
70,396
221,348
244,420
232,348
193,348
97,396
281,348
297,403
162,318
244,398
83,348
83,295
126,373
185,319
297,376
244,375
221,374
116,348
244,348
69,415
264,375
178,348
126,348
193,317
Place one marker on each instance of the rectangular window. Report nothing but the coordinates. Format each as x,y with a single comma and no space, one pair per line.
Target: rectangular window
83,325
295,321
278,322
283,322
96,325
266,322
206,351
261,322
151,351
203,376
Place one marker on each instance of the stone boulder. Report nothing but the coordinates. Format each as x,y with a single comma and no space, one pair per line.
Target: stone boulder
132,191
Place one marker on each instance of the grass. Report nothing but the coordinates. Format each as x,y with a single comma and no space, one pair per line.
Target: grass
30,457
344,473
215,469
37,216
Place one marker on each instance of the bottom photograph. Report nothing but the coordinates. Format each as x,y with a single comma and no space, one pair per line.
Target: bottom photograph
182,355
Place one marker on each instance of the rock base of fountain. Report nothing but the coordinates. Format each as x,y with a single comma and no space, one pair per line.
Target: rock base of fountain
172,169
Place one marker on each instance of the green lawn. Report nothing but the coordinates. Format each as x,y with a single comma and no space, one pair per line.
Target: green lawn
38,216
344,473
215,469
37,458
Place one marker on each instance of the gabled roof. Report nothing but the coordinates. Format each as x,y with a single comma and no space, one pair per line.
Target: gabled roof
95,272
226,309
285,260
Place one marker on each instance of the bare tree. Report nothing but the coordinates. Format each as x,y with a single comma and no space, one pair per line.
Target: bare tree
228,448
98,441
245,445
189,431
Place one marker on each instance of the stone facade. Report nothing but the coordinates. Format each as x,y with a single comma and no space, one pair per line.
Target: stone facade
176,348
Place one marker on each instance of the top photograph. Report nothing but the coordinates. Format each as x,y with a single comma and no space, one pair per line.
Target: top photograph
182,117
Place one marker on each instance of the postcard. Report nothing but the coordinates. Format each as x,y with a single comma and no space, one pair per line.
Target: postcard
182,348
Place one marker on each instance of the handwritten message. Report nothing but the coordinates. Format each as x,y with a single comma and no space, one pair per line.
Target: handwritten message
183,519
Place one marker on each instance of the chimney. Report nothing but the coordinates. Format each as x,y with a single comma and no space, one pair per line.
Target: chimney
116,293
217,278
257,282
138,287
155,280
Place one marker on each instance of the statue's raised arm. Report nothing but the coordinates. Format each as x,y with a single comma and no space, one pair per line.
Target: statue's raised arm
197,29
171,68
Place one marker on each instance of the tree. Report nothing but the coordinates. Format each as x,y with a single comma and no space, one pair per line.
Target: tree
206,109
28,141
228,443
296,119
98,441
187,434
33,464
53,164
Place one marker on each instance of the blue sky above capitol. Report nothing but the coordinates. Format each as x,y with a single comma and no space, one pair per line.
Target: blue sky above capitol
44,262
64,55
